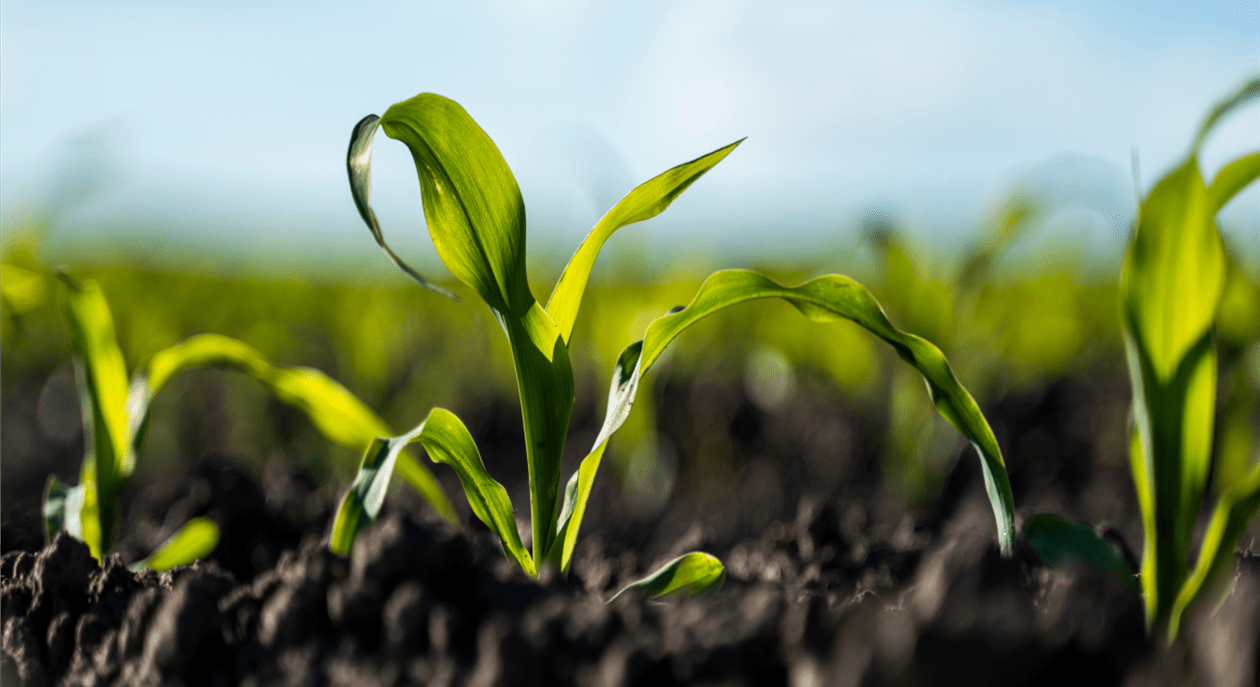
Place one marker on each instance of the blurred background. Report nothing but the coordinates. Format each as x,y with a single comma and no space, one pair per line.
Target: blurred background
975,163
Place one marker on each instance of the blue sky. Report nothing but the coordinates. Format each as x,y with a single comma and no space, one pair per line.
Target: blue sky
220,128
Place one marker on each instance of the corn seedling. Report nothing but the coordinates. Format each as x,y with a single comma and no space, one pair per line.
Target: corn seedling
1171,287
476,218
115,414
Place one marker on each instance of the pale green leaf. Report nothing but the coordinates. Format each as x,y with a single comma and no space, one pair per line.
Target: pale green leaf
1058,541
1233,178
691,574
359,168
647,200
447,441
196,539
824,299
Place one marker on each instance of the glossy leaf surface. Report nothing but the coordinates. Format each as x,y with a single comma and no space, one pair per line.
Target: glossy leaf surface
691,574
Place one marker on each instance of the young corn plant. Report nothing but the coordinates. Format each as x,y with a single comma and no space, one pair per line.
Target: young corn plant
1170,288
476,218
115,415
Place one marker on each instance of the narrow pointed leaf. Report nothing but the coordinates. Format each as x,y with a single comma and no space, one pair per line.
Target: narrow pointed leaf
691,574
647,200
1059,540
447,441
103,388
196,539
359,168
333,410
472,204
824,299
1233,178
1245,93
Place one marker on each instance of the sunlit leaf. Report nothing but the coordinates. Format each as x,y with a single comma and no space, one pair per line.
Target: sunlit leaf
691,574
196,539
1174,272
1233,178
1245,93
333,410
447,441
103,385
1059,541
476,218
472,204
824,299
647,200
359,168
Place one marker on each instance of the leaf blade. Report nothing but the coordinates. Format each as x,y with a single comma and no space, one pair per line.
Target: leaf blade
446,440
647,200
359,169
196,539
691,574
826,298
338,414
472,204
1231,179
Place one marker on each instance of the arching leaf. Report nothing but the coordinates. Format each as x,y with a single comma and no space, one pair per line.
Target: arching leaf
646,201
824,299
447,441
196,539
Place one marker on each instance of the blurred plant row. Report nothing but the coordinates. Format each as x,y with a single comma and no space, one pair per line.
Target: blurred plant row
1003,330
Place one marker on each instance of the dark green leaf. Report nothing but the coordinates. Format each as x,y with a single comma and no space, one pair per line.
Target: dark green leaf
196,539
359,168
1059,541
691,574
647,200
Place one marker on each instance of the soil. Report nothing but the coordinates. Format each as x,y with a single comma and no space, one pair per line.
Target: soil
831,580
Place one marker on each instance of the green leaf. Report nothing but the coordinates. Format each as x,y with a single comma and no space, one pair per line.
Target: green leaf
103,388
472,204
359,168
333,410
447,441
824,299
1245,93
1233,178
476,218
196,539
647,200
691,574
1174,272
1059,540
544,381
